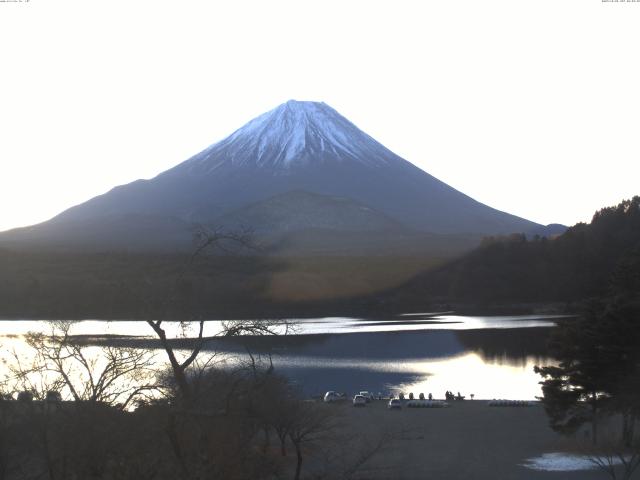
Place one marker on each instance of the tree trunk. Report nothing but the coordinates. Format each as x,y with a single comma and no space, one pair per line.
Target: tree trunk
178,368
299,462
628,428
183,385
283,447
267,439
594,421
47,449
172,433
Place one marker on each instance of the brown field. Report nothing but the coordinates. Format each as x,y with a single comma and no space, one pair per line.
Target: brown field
469,440
330,278
112,286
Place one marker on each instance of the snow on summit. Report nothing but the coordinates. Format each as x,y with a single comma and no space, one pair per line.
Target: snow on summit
294,133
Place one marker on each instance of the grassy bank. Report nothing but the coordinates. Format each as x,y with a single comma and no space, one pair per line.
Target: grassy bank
468,440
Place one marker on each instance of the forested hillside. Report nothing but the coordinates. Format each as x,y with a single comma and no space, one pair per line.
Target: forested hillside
575,265
503,272
44,285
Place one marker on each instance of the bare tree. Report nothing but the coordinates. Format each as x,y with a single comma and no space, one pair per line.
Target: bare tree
181,359
309,424
49,439
61,363
356,461
205,240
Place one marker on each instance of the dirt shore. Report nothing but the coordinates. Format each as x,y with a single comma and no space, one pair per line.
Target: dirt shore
468,440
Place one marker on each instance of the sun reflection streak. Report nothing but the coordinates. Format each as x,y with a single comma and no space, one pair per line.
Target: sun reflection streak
483,375
471,374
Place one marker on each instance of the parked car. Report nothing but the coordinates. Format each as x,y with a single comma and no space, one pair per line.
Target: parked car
359,401
394,403
367,395
331,396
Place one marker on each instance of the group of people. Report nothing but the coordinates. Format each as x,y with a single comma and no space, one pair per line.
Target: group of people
450,396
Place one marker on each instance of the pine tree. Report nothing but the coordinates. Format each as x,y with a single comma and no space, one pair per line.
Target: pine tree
599,355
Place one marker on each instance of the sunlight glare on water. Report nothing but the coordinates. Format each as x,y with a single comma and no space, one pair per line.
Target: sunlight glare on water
470,374
385,362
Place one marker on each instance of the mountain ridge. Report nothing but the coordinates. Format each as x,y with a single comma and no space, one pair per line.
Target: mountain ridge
298,129
298,146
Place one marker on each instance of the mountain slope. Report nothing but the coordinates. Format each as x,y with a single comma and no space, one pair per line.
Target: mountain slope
303,146
580,263
299,210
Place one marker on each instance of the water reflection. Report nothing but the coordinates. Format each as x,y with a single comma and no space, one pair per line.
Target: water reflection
425,322
305,326
492,363
471,374
491,357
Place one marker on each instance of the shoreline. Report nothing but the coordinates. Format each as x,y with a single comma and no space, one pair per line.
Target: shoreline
467,440
552,310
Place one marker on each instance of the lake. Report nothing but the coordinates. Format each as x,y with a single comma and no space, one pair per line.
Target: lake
488,356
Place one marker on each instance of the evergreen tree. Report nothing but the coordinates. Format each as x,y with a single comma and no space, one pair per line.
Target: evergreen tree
599,354
575,391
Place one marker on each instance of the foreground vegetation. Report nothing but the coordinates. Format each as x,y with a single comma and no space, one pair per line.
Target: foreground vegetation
73,411
238,425
597,380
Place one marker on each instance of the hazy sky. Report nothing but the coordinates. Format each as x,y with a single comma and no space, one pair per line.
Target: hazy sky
532,107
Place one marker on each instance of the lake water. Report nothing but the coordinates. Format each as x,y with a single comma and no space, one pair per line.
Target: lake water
488,356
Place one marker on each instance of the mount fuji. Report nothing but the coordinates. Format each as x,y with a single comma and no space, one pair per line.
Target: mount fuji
301,170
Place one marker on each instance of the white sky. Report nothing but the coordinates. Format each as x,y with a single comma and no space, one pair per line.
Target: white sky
530,106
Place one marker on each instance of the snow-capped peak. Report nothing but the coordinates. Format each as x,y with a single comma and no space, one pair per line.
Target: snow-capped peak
294,133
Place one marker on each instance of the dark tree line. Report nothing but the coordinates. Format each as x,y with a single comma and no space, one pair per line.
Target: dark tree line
46,285
576,265
109,285
503,270
597,380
